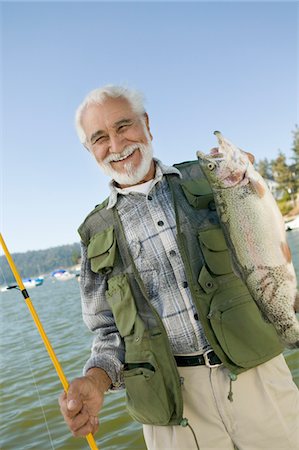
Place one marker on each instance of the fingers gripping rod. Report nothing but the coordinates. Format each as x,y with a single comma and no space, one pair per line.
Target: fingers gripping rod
62,377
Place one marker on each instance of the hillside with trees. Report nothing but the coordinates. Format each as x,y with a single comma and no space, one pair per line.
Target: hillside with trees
38,262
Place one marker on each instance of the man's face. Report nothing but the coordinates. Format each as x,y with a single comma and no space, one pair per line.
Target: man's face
119,139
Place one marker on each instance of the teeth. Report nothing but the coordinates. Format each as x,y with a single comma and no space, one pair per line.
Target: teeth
125,154
124,157
121,159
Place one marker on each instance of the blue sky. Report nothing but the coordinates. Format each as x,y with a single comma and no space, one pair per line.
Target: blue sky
231,66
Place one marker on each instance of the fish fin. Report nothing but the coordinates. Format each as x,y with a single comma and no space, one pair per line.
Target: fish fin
258,187
286,251
250,156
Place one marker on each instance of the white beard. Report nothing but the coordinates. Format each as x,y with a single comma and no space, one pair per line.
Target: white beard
132,175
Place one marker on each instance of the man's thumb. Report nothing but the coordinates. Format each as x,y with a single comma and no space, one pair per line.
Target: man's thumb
72,404
73,398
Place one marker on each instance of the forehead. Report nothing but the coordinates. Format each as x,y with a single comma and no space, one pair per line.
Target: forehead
101,117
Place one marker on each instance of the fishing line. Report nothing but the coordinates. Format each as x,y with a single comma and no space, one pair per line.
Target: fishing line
3,276
38,394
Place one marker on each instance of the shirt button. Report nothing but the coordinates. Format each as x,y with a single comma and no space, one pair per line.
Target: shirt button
149,197
172,252
185,284
160,223
196,316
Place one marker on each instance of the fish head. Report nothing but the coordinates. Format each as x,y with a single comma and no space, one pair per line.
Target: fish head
212,166
226,165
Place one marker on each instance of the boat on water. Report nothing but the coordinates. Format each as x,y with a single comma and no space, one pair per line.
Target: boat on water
292,224
32,282
28,283
8,287
62,275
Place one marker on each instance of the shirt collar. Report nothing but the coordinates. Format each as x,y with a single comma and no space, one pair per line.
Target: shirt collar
161,170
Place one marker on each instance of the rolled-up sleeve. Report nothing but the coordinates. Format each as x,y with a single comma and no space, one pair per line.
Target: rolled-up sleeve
107,350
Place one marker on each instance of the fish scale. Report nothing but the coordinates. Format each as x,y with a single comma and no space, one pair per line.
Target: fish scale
255,235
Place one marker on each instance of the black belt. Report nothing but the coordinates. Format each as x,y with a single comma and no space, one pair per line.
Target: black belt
209,359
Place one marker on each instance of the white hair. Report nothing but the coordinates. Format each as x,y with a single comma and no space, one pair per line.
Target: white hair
98,97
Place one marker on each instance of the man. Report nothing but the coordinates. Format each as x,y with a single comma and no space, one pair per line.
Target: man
172,323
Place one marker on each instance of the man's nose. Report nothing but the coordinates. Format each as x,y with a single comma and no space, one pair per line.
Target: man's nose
116,144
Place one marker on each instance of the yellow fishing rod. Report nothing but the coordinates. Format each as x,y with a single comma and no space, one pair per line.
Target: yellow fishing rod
62,377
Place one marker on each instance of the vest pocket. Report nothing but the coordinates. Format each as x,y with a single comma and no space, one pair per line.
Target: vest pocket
238,325
146,393
215,251
101,251
122,304
198,193
147,368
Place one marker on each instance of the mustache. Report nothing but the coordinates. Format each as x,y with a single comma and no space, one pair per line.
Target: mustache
127,151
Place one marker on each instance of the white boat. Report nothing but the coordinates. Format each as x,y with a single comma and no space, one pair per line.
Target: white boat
32,282
292,224
7,288
62,275
28,283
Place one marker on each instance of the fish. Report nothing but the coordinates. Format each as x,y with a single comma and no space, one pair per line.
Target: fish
255,234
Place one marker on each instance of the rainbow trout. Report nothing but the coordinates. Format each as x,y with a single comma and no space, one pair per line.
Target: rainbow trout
255,234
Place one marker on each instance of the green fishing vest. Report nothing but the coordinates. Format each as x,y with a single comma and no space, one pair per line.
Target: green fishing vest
232,322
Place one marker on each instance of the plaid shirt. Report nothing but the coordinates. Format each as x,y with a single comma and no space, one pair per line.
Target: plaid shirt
149,225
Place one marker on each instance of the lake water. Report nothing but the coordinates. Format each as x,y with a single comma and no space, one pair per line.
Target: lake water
30,416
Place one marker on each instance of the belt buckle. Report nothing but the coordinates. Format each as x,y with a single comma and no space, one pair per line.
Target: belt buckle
207,361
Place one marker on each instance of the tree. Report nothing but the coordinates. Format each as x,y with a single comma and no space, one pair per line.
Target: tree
284,176
295,166
75,255
264,168
281,172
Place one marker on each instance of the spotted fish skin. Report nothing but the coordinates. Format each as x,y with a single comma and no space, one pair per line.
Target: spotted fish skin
255,235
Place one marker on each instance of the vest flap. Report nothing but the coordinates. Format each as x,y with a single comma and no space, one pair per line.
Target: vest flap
213,239
101,242
197,187
84,229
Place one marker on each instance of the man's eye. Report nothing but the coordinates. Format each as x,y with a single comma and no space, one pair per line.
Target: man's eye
99,139
124,126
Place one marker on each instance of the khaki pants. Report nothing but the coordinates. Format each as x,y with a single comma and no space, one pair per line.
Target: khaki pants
264,413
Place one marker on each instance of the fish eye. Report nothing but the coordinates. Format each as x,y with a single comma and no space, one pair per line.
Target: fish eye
211,166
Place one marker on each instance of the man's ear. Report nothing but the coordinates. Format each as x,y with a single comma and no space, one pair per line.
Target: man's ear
146,118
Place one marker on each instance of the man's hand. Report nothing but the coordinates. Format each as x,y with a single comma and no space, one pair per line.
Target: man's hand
81,405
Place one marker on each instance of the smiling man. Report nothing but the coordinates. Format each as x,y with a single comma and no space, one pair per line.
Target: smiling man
173,324
120,140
